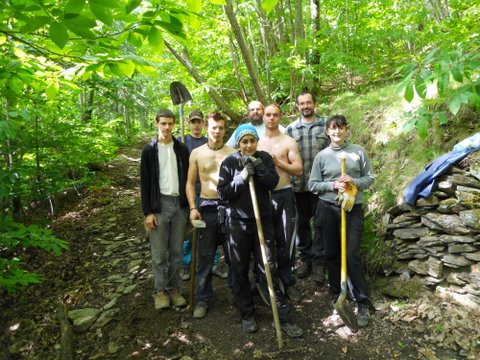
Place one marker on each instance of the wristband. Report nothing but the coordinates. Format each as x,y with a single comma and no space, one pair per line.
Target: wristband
193,208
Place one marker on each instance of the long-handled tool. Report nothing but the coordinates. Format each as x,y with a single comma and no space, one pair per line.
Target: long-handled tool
197,224
266,265
180,95
342,305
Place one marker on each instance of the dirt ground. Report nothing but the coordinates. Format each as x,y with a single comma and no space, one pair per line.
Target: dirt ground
107,242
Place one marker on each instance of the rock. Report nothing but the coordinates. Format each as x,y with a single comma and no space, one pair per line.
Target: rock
129,289
447,186
471,218
83,318
450,224
111,304
467,195
472,289
456,239
411,233
431,201
456,279
461,248
455,261
465,181
435,250
399,209
432,267
430,240
450,206
473,256
468,300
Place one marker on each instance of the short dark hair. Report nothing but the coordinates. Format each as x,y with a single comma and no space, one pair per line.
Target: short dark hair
217,116
275,105
164,113
338,120
306,92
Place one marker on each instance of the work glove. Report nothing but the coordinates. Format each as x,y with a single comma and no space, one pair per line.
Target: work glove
248,170
347,197
256,161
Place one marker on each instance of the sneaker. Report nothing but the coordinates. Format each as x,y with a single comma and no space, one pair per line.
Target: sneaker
363,316
161,300
304,269
250,325
293,293
291,329
185,274
200,310
177,299
319,274
219,272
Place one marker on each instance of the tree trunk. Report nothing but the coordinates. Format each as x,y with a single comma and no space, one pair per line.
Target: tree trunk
86,104
184,59
245,51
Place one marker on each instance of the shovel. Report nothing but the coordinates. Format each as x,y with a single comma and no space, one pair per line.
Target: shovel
180,95
268,274
342,305
197,224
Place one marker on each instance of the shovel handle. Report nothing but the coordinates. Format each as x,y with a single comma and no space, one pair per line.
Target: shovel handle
266,265
344,236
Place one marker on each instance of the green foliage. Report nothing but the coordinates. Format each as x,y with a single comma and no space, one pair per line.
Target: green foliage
17,238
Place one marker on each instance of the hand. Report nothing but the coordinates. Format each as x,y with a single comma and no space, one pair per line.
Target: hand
255,161
195,214
348,196
151,221
247,171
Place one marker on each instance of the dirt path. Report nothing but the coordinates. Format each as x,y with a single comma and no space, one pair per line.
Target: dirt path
108,270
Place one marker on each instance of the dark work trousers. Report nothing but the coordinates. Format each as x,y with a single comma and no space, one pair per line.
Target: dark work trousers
330,215
209,238
284,218
310,246
242,240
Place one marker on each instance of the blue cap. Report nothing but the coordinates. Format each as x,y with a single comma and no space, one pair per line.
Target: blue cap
245,129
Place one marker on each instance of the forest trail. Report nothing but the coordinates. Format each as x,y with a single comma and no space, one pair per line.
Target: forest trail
107,270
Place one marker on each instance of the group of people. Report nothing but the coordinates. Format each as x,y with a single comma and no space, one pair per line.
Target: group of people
299,186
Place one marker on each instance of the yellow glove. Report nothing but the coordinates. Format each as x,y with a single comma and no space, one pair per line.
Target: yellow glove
339,197
348,197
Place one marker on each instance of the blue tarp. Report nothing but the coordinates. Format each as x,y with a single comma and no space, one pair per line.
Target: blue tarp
422,185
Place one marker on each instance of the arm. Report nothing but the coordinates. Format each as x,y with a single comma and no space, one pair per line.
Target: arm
145,190
364,178
316,182
230,183
190,187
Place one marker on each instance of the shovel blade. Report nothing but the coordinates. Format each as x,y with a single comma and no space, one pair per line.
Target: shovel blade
179,93
346,313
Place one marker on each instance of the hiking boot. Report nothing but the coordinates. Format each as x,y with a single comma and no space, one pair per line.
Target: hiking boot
304,269
250,325
291,329
177,299
200,310
185,273
363,316
293,293
319,274
161,300
219,272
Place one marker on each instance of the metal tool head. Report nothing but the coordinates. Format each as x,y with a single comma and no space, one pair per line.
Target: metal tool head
179,93
346,313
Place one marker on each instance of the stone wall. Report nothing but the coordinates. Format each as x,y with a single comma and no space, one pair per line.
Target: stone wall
438,240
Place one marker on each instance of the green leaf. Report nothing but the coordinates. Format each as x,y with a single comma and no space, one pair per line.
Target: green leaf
136,39
217,2
3,38
155,38
409,92
126,67
457,74
455,105
421,87
59,34
52,90
35,23
443,118
194,5
422,129
269,5
101,12
79,30
74,6
131,5
15,84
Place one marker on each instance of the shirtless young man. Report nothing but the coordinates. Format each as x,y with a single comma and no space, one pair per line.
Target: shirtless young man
205,164
285,154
